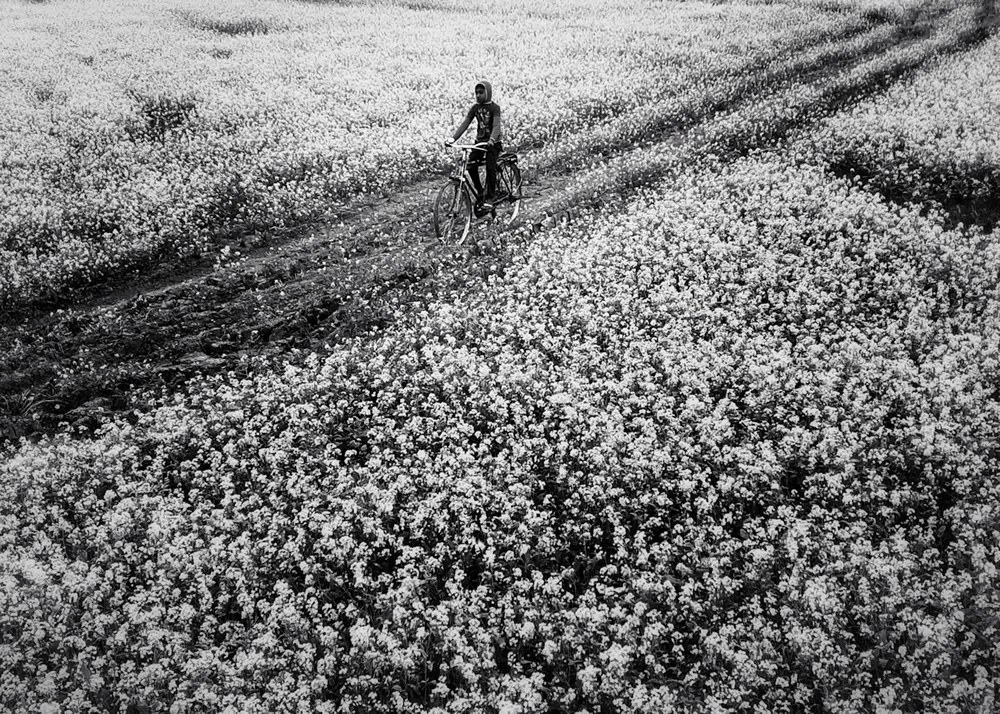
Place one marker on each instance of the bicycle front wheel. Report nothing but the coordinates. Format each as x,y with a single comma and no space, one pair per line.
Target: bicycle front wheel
452,213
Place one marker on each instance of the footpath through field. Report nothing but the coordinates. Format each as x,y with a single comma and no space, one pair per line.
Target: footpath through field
316,285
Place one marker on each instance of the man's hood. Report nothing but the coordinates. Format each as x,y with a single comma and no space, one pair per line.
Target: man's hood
489,91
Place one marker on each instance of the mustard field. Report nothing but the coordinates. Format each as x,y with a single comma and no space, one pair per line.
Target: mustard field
721,436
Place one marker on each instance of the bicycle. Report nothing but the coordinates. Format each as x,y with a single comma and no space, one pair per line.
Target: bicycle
455,204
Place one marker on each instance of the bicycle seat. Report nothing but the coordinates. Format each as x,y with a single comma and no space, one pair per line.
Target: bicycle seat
508,155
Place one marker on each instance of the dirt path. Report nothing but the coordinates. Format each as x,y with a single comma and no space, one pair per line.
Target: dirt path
314,286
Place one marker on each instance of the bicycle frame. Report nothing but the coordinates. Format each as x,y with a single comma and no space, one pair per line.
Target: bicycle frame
463,168
455,208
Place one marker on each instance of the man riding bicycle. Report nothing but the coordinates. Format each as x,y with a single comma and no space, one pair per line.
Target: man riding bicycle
486,112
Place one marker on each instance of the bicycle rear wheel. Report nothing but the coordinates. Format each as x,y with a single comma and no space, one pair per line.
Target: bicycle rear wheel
508,204
452,213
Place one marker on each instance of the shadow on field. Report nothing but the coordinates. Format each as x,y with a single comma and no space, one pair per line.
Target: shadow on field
974,200
763,75
745,129
914,31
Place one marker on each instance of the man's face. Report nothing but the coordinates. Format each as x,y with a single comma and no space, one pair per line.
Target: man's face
480,94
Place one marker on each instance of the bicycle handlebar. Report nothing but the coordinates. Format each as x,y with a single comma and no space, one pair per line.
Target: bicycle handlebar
469,146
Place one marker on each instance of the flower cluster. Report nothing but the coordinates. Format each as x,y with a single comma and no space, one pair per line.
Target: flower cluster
731,447
120,155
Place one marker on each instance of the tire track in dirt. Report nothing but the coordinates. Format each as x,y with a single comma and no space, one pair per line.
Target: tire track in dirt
731,134
355,276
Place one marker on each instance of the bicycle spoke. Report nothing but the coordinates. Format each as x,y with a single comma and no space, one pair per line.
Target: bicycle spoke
452,213
453,208
508,202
